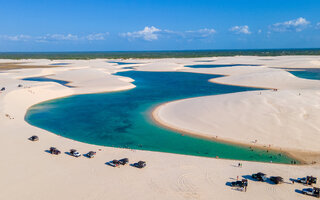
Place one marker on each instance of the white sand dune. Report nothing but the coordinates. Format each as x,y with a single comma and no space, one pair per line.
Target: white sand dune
283,119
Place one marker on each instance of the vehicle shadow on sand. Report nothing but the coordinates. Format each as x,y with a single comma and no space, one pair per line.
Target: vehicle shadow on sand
249,177
228,184
239,189
85,155
294,180
110,163
47,151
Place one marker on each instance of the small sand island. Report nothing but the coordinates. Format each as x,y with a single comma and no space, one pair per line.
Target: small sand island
278,116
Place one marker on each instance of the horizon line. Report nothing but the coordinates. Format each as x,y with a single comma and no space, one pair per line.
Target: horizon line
137,51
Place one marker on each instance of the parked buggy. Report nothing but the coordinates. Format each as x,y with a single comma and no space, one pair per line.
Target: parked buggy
140,164
54,151
91,154
241,184
75,153
124,161
33,138
114,163
259,177
309,180
276,179
312,191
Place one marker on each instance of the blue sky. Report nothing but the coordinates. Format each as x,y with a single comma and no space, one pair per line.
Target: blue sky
128,25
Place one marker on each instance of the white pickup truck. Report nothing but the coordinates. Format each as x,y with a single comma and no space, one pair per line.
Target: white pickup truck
75,153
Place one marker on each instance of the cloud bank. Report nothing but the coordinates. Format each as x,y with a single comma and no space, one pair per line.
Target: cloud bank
152,33
148,34
20,37
55,37
296,25
241,29
201,33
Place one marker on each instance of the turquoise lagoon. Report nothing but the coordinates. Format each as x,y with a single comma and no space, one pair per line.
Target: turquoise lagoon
122,119
218,65
122,63
307,73
45,79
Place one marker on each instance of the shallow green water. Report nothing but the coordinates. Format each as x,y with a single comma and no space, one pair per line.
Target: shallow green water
121,119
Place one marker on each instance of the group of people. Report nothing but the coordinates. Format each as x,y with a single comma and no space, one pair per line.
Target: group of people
8,116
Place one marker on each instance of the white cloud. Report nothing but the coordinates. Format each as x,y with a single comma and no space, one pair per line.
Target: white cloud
97,36
292,25
20,37
55,37
318,25
201,33
148,33
152,33
241,29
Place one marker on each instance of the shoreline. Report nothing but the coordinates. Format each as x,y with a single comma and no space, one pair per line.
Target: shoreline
301,157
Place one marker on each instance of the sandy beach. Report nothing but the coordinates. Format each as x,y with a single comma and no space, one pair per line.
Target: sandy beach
285,119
